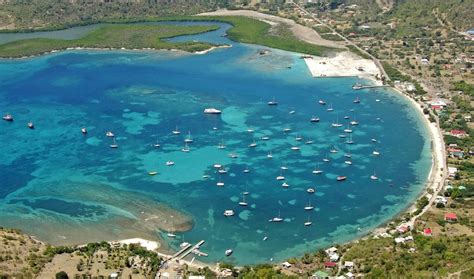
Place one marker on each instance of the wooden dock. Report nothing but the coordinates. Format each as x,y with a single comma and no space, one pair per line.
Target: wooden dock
185,252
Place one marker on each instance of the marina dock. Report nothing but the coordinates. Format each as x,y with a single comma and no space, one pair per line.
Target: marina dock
186,252
368,86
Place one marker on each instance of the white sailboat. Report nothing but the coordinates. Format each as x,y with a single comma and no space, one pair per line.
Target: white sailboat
330,107
186,148
176,131
308,222
317,170
243,202
373,176
114,144
309,206
278,218
221,145
188,139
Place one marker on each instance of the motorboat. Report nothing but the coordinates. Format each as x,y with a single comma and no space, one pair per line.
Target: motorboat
280,177
321,102
31,125
314,119
84,131
8,117
273,102
229,212
110,134
169,163
341,178
310,190
153,173
228,252
114,144
212,111
285,185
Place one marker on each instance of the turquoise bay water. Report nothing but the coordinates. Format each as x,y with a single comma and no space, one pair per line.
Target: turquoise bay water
64,187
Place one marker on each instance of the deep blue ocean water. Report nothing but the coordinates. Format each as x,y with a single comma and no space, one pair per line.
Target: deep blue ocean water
65,187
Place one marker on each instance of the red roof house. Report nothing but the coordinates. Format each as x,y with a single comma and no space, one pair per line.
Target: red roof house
427,232
450,217
457,133
330,264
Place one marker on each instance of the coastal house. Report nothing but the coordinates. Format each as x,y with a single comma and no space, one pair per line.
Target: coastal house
320,275
452,171
450,217
403,228
442,200
349,265
455,153
399,240
427,232
334,257
424,61
458,133
330,251
286,265
330,264
350,275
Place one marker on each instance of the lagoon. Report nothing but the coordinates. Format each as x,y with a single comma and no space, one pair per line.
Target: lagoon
67,188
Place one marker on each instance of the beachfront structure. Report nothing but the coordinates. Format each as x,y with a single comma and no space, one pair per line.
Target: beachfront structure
458,133
452,171
450,217
427,232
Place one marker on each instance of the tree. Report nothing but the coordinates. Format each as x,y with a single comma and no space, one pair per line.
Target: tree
62,275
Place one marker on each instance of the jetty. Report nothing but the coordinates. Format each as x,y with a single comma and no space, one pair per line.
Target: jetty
181,254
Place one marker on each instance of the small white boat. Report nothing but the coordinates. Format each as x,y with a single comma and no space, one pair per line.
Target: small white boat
326,159
229,212
314,119
346,117
376,153
310,190
354,123
84,131
246,193
278,218
233,155
8,117
206,176
343,136
285,185
265,238
152,173
243,202
348,130
333,150
222,171
269,155
308,223
156,144
373,140
292,112
265,138
221,145
246,170
176,131
348,162
336,124
273,102
321,102
330,108
284,168
110,134
317,170
114,144
280,177
217,166
286,130
374,177
189,139
169,163
309,142
220,183
215,128
212,111
253,144
250,130
298,138
228,252
350,140
171,235
30,125
186,148
295,148
309,206
357,86
356,101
